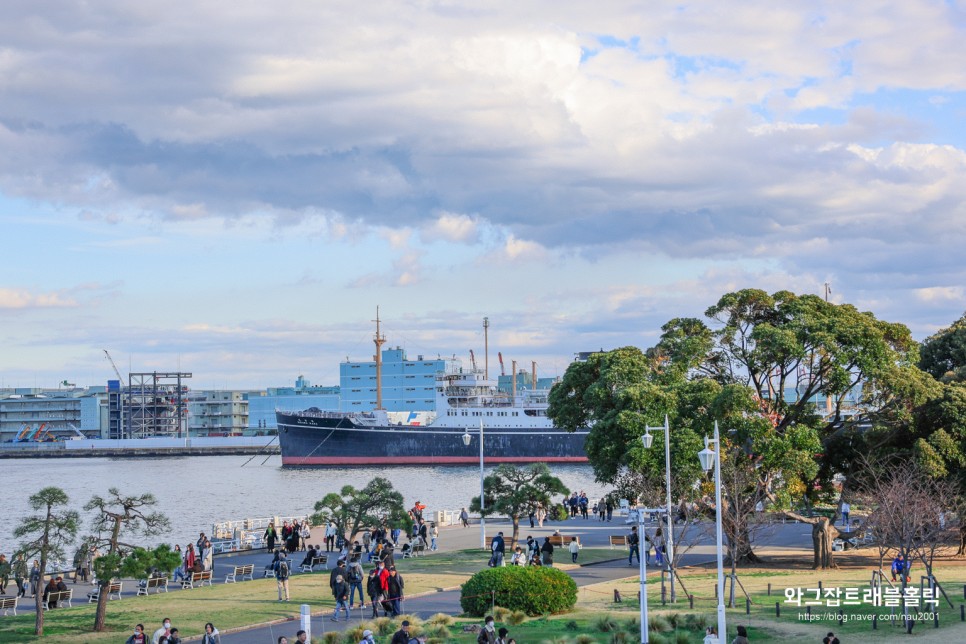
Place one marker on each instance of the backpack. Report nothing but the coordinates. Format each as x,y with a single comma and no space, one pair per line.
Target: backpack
282,569
355,575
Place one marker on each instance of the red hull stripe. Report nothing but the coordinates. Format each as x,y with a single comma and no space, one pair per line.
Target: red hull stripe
424,460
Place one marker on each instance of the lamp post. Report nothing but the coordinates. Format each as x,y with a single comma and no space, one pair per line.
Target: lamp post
639,515
708,460
466,441
647,440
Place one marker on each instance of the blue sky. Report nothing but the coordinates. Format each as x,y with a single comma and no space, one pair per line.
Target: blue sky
232,190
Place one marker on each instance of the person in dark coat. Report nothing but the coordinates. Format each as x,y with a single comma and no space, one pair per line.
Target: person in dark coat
374,590
338,571
547,550
396,589
271,535
402,635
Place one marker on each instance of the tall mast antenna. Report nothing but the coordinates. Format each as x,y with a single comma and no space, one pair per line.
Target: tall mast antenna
486,348
379,340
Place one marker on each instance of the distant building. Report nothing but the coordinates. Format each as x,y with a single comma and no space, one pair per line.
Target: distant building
407,385
48,413
217,413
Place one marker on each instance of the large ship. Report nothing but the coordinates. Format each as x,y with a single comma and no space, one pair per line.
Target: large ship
469,407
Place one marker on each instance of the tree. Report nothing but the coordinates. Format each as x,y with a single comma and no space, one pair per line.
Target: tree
944,353
512,491
116,518
760,371
352,510
47,534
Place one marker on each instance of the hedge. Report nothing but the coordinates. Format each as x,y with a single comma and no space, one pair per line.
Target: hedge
531,589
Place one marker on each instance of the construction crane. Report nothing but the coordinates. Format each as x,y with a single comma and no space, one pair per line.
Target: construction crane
120,380
502,370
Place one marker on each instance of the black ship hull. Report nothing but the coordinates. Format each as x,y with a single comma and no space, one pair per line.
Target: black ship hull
307,440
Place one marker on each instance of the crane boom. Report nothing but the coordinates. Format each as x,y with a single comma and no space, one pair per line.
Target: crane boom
114,366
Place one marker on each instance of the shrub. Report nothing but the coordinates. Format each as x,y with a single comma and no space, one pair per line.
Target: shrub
572,626
516,618
676,620
560,513
332,638
682,638
354,634
534,591
657,638
437,631
383,626
696,622
441,618
658,624
500,613
633,625
605,624
620,637
586,639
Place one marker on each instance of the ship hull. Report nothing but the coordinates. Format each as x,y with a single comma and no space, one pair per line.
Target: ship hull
307,441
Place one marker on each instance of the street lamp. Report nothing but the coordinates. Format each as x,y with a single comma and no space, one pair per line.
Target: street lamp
647,440
466,441
639,515
712,458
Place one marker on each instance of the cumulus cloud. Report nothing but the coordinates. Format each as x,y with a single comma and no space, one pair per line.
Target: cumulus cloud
452,227
18,298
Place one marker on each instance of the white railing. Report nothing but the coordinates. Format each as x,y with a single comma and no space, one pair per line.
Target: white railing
230,529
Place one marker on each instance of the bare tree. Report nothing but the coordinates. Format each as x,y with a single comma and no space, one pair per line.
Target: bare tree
118,517
51,532
908,514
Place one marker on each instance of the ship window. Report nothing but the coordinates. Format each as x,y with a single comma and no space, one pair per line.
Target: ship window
489,413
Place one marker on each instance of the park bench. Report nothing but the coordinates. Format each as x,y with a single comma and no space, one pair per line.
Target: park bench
113,589
562,539
246,571
321,560
158,583
58,596
414,550
196,578
618,540
8,603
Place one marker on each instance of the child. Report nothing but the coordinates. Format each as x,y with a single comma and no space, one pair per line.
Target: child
574,549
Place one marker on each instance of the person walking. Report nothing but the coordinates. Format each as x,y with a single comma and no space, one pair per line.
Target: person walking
498,550
163,631
271,535
5,570
433,535
374,589
139,637
355,576
396,589
402,635
488,632
574,549
634,547
211,636
465,518
330,532
846,508
20,574
710,635
35,578
340,591
281,576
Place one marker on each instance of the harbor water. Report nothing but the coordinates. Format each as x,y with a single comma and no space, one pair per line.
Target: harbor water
196,491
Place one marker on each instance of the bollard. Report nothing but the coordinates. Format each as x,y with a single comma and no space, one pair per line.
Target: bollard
962,613
808,612
778,609
935,619
875,621
840,618
909,625
617,596
769,589
747,606
716,591
691,601
820,586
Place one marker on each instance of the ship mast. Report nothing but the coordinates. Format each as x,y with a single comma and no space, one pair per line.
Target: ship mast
379,340
486,348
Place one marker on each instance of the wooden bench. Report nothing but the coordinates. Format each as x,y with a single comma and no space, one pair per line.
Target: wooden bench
196,578
8,603
414,550
618,540
321,560
562,539
246,571
113,591
57,597
158,583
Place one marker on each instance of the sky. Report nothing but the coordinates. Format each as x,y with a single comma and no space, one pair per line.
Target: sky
232,188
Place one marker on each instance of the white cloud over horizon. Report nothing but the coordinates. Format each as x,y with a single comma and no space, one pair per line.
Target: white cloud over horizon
584,172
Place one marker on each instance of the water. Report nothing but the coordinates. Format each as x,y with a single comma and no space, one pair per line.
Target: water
196,491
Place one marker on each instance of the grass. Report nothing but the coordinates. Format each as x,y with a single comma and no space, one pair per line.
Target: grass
233,605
